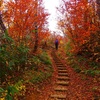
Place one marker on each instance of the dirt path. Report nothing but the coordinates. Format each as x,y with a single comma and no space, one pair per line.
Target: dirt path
61,81
66,84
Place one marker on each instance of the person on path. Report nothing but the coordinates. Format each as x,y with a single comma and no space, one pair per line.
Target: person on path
56,44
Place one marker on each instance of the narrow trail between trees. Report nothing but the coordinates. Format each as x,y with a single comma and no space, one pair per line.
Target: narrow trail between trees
70,85
66,84
62,80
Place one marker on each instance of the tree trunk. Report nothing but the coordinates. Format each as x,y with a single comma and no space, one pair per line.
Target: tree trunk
2,26
36,39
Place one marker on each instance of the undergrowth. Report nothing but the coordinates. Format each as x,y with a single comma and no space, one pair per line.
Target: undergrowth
81,64
17,64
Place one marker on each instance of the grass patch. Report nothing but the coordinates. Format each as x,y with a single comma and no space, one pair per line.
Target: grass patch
77,69
40,77
83,66
92,72
34,72
45,58
81,69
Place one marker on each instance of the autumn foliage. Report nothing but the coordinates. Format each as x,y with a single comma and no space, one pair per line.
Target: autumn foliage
25,20
81,24
28,58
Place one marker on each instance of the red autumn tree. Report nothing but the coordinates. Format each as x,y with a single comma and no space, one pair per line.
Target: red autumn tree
78,22
25,19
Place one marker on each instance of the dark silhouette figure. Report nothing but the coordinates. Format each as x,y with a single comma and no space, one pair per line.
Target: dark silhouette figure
56,44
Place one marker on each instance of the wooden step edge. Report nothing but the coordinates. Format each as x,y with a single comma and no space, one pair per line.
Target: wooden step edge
63,78
62,83
61,68
58,96
58,63
62,74
61,71
65,70
60,89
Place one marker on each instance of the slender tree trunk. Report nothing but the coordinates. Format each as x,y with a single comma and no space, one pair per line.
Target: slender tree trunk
36,30
36,39
2,26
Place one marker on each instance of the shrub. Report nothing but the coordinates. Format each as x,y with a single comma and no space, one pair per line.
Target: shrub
45,58
78,70
12,57
90,72
39,77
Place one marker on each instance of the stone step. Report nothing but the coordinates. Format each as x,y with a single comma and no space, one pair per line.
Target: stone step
60,65
58,96
57,61
63,78
64,83
60,89
62,71
62,74
61,68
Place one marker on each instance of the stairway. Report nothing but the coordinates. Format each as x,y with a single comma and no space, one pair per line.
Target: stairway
62,81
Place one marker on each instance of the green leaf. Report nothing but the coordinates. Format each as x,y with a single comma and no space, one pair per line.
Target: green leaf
8,97
11,63
12,90
6,36
2,90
